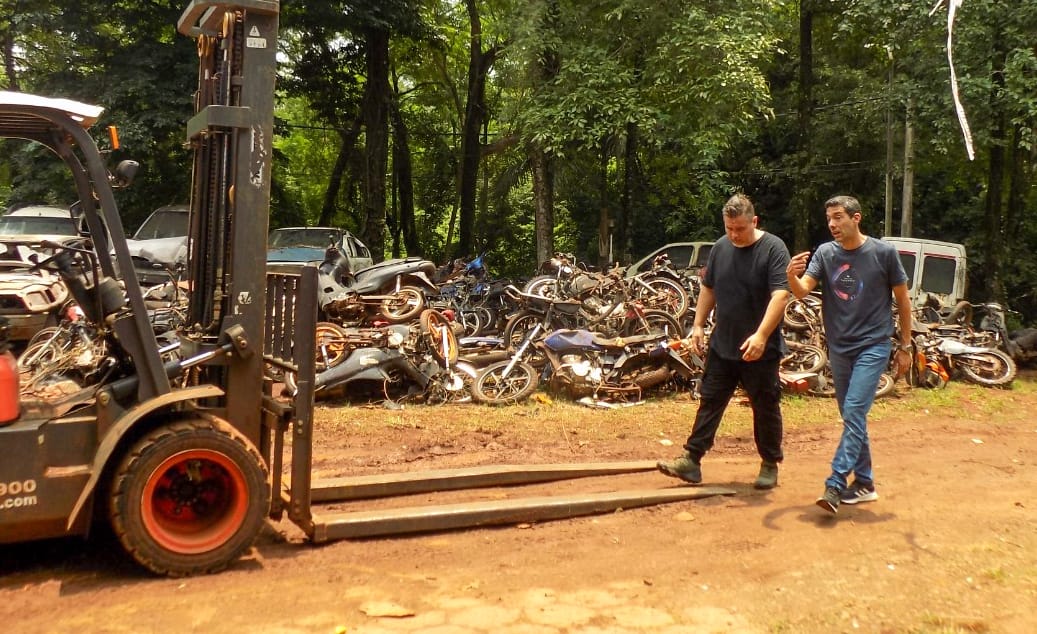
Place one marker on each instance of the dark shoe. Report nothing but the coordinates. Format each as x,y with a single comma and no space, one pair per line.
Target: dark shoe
685,468
830,500
768,478
858,493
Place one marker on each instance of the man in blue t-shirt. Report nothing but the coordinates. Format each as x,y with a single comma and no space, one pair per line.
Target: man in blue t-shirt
744,284
857,273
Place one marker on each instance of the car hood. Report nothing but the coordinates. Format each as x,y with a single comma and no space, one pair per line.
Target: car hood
167,251
295,254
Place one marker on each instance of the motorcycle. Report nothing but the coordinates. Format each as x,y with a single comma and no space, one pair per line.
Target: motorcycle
553,273
583,363
393,290
617,316
418,359
938,359
661,287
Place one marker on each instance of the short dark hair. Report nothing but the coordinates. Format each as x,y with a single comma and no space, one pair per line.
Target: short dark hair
739,205
849,203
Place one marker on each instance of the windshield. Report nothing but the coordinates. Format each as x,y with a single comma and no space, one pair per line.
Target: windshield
311,237
163,224
37,225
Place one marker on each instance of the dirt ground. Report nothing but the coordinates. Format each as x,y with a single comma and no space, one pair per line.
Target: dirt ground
950,546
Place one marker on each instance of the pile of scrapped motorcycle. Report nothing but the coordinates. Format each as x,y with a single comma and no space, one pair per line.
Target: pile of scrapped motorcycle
72,347
970,342
406,330
403,330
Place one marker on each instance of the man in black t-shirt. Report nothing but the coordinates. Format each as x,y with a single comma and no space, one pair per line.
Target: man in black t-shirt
745,285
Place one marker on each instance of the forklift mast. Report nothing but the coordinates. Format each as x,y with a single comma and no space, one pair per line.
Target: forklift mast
231,136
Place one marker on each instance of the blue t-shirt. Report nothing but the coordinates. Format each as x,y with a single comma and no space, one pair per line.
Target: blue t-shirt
856,292
742,279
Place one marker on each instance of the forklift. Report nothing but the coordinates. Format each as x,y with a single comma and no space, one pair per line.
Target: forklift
187,455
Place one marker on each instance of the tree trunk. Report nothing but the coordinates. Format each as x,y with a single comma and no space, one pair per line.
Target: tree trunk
802,207
479,63
347,144
404,177
549,66
10,68
1017,188
376,147
631,182
907,207
543,204
604,221
993,238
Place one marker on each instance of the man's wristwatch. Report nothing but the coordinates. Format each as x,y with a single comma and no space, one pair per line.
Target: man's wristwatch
906,347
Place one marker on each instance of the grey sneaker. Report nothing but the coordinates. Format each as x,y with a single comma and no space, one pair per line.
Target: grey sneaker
768,478
685,468
829,501
858,493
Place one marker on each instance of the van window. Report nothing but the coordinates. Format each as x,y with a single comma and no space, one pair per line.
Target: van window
679,256
908,262
938,274
703,255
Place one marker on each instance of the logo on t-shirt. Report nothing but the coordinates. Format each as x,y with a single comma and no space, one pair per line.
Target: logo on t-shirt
845,283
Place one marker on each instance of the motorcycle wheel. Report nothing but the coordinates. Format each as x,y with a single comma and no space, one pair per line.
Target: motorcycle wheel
41,355
516,328
824,386
647,376
800,315
403,306
471,321
453,387
669,296
487,319
652,322
991,367
804,357
491,387
330,345
432,326
542,285
886,385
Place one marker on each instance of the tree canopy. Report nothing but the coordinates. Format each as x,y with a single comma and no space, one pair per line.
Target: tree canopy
601,127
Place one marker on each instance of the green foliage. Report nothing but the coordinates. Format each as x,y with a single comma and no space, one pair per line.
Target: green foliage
652,113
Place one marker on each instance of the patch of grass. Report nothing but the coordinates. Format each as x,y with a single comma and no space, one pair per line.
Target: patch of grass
996,575
933,624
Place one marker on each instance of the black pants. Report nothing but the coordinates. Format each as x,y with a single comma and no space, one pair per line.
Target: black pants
760,381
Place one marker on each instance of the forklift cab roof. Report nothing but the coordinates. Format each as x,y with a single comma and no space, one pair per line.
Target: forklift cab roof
38,118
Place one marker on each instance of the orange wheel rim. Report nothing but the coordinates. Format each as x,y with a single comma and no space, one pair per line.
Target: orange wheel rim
194,502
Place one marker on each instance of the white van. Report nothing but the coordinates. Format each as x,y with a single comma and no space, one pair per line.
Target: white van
683,255
934,269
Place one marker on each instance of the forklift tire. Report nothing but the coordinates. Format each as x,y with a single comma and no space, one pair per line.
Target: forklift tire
404,305
189,497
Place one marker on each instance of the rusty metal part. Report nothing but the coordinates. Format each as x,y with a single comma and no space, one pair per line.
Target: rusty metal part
450,516
323,526
384,485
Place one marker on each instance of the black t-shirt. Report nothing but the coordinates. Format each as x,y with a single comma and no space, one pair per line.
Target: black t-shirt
742,279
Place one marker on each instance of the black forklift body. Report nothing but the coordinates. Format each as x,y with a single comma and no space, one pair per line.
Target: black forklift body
47,454
196,452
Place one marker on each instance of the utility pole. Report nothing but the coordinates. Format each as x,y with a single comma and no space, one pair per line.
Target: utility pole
909,172
887,225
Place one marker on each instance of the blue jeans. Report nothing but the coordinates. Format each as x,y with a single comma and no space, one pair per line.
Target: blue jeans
856,378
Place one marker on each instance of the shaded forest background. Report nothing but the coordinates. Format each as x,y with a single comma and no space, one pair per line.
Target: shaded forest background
606,128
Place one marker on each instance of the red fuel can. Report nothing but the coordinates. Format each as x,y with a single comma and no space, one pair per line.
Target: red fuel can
9,408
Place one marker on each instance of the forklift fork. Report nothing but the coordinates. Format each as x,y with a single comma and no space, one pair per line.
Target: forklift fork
291,311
